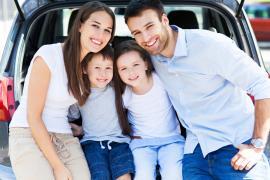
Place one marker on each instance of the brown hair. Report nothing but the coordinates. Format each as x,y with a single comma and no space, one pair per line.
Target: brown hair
136,7
72,50
119,85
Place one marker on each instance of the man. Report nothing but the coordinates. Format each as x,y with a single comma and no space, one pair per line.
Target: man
207,77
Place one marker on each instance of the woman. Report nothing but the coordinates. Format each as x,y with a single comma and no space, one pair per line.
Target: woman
41,141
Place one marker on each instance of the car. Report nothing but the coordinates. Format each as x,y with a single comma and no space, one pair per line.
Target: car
42,22
259,16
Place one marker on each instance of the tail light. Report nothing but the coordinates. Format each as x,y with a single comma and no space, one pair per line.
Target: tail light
7,102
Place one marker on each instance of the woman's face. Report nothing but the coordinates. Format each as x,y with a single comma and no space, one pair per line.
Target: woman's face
96,32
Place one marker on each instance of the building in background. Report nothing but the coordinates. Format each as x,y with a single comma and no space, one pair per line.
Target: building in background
8,9
259,16
258,12
8,12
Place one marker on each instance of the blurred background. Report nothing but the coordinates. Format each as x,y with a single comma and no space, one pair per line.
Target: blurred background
258,12
7,14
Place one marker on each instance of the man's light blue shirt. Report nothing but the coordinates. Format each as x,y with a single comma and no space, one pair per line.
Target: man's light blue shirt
208,79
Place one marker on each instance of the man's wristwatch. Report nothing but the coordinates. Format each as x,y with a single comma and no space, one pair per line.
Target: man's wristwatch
258,143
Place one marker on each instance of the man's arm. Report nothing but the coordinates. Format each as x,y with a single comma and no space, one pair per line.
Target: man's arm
262,119
249,155
243,72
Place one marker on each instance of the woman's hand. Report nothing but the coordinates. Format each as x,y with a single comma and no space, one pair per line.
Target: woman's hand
62,173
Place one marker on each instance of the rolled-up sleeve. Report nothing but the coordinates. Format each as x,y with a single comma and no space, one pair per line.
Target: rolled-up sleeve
241,70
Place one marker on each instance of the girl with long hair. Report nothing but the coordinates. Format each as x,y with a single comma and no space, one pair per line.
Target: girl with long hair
156,136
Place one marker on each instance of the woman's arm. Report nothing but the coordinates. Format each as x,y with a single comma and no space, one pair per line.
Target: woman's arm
37,92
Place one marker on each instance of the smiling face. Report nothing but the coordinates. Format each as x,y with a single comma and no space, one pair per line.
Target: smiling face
149,31
99,71
96,32
132,69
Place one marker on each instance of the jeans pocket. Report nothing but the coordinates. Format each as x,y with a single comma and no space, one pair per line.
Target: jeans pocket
229,148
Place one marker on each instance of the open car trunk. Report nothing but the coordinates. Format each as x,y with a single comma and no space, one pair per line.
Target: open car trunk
42,22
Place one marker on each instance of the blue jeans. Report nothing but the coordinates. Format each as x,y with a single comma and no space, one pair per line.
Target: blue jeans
169,157
217,165
108,160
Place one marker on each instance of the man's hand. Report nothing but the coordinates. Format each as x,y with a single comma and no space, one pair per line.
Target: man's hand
246,158
76,130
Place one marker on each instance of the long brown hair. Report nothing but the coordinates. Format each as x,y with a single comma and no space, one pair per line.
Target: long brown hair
72,50
119,86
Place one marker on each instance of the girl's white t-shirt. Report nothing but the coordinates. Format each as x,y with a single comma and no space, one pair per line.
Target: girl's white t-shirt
58,98
151,115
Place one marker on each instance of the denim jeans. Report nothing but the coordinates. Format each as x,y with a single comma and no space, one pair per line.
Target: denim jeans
169,157
108,160
217,165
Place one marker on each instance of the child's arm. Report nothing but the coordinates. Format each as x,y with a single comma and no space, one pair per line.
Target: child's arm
74,114
76,129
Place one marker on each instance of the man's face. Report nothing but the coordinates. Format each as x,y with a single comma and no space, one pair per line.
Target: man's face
149,31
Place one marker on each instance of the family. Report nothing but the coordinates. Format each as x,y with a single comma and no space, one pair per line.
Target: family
132,98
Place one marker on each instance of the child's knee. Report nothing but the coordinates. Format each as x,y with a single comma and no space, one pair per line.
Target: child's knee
171,172
141,175
125,177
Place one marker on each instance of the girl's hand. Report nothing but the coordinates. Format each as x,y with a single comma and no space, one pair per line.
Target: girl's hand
62,173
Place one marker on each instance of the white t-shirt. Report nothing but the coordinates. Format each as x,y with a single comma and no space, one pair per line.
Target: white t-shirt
58,98
151,115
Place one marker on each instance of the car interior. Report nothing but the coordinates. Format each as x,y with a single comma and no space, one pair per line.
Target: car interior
54,26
